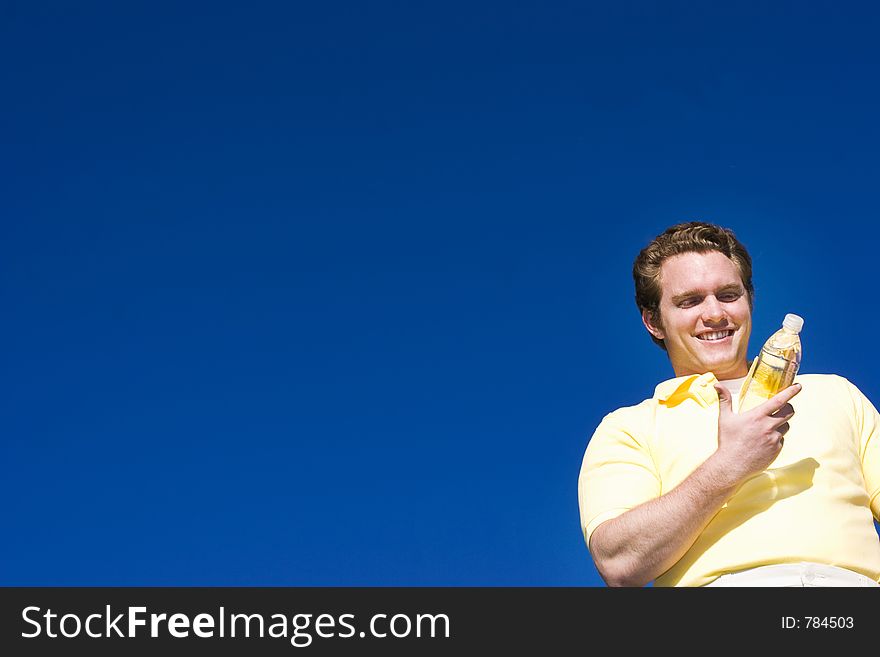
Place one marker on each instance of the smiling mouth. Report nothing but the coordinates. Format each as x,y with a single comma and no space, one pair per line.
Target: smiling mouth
715,336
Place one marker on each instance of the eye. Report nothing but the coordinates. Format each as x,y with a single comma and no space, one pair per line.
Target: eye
689,302
729,296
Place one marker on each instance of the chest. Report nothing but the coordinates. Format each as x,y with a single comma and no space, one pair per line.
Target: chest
686,435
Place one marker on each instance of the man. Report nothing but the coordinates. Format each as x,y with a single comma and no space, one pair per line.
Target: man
680,490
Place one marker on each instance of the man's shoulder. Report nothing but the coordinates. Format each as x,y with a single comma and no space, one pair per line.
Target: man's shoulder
626,424
831,384
822,378
825,382
634,413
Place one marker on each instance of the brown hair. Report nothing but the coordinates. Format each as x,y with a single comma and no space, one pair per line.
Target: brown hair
693,236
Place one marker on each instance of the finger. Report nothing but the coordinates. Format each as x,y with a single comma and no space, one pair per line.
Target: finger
786,412
724,399
780,399
778,422
783,428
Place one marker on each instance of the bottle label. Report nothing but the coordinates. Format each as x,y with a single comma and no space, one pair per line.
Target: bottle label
773,372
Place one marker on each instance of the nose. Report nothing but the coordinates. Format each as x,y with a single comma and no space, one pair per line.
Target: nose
713,311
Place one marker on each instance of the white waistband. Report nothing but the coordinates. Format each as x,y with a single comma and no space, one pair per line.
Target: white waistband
795,574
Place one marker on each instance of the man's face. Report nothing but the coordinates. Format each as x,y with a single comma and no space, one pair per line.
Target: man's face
705,320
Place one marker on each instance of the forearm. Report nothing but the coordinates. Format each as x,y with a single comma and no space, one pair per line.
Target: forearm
641,544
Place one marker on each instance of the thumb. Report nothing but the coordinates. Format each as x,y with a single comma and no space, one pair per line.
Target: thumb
724,399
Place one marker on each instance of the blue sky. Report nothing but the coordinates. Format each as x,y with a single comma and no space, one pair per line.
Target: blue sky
335,293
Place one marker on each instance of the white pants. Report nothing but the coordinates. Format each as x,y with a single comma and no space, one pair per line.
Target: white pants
795,574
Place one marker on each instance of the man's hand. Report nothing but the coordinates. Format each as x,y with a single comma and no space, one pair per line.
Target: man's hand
749,442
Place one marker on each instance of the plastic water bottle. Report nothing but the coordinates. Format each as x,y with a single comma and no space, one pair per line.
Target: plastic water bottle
775,367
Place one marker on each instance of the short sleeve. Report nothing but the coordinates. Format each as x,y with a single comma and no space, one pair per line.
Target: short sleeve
617,473
868,424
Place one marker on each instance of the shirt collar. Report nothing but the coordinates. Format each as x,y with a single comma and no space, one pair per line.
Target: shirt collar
700,387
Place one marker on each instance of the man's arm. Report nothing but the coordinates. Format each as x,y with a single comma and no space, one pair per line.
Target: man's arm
639,545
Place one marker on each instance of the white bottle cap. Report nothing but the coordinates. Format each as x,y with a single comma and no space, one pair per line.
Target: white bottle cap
793,322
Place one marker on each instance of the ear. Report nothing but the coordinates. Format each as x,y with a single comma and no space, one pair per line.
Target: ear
652,323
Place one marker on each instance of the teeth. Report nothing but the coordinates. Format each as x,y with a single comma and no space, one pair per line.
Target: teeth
715,335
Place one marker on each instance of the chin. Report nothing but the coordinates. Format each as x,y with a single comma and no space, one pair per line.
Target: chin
719,367
728,369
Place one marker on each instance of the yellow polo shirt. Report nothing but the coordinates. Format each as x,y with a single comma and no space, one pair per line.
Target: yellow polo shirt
813,503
